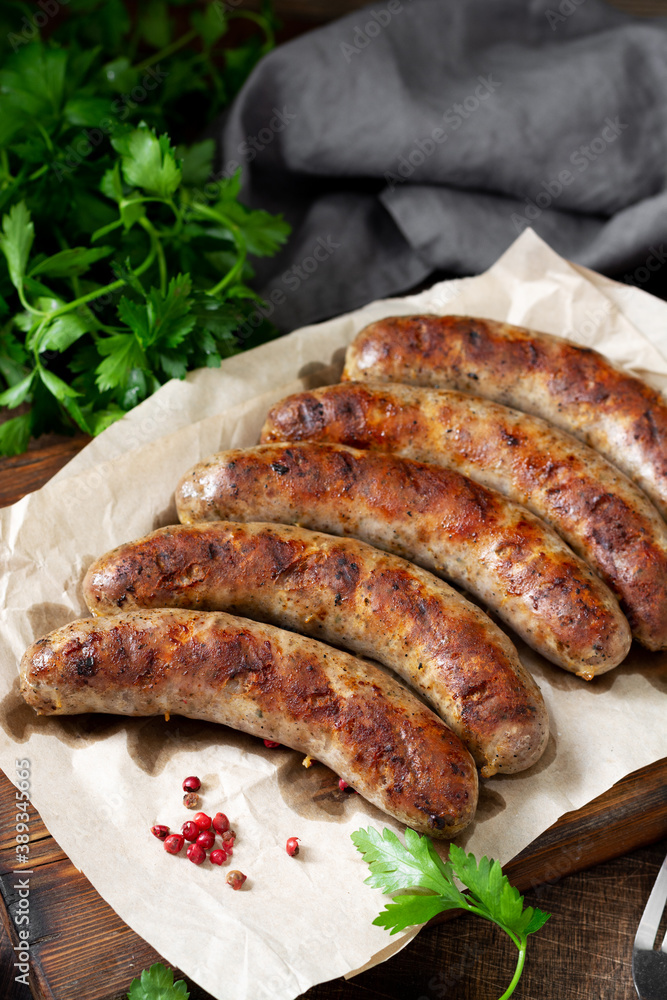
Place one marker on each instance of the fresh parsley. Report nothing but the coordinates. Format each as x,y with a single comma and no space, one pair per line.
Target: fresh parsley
121,264
417,864
157,983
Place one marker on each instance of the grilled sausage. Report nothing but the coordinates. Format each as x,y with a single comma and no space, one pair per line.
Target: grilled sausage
350,714
351,594
574,387
602,515
438,519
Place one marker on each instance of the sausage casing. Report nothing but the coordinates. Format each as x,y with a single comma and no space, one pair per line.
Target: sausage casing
437,518
574,387
343,591
599,512
350,714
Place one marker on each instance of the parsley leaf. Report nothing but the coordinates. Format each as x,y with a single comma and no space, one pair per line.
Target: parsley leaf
157,983
197,162
13,357
73,261
211,24
15,434
263,233
123,356
62,332
154,349
17,393
148,162
164,319
18,233
492,891
395,866
405,911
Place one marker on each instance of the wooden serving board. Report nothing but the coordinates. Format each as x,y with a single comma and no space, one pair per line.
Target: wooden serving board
81,949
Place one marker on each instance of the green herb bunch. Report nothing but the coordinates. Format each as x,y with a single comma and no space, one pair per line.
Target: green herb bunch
121,267
417,864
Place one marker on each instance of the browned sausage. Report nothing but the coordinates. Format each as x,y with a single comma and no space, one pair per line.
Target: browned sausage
350,714
574,387
606,519
351,594
440,519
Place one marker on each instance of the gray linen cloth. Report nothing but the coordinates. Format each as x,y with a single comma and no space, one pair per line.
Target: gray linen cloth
422,136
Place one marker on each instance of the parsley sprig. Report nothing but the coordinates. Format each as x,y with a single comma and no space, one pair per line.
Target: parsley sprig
195,251
417,864
120,266
157,983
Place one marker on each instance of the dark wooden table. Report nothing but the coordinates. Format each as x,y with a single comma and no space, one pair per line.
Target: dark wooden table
593,871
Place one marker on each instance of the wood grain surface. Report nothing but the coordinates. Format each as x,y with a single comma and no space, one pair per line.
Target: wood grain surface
81,950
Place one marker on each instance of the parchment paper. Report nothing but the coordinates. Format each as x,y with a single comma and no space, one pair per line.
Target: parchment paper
297,921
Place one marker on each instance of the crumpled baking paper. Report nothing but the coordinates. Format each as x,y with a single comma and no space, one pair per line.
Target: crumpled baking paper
299,921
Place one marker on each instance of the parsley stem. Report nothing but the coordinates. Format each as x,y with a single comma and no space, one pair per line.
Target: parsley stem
100,325
38,173
178,226
231,275
239,239
517,972
168,50
46,137
103,230
471,908
155,242
75,303
26,305
4,159
261,21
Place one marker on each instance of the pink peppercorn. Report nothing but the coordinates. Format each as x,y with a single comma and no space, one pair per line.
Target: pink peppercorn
220,823
196,854
202,820
236,879
206,839
190,831
174,843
